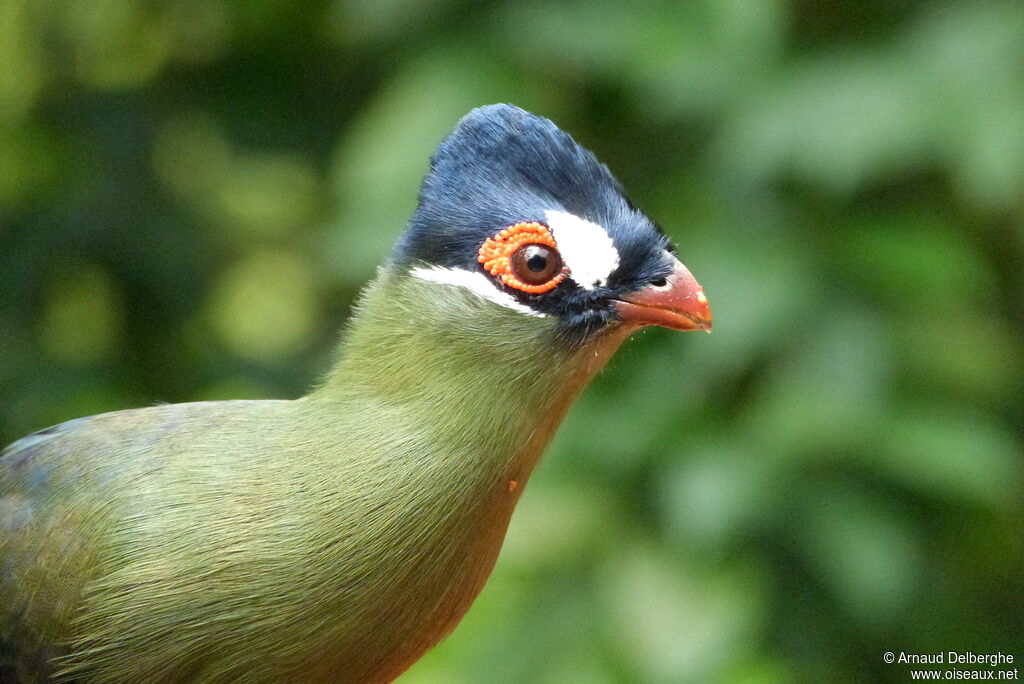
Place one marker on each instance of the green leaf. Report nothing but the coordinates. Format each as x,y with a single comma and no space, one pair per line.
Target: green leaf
862,549
952,453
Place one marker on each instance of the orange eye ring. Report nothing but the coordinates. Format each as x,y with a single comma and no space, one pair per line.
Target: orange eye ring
496,255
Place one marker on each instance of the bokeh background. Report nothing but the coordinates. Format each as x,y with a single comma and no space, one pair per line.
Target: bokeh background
193,191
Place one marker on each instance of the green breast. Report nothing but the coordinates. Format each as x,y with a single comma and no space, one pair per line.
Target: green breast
333,538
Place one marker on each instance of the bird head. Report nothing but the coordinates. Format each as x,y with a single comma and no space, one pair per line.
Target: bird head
516,212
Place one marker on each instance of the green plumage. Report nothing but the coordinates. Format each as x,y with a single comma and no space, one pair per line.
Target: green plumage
331,538
337,537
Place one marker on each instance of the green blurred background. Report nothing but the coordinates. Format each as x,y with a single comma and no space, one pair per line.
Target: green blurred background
193,191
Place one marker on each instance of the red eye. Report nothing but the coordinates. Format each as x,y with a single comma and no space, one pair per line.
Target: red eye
525,257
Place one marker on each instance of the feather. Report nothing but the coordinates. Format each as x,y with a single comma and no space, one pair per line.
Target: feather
331,538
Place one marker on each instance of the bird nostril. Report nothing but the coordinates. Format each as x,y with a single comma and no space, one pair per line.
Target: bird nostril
659,282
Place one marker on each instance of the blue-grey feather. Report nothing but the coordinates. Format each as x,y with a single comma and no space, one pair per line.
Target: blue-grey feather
502,165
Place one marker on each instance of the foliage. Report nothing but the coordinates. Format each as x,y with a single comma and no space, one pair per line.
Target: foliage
192,192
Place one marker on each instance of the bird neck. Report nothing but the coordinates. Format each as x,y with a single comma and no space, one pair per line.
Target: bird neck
483,378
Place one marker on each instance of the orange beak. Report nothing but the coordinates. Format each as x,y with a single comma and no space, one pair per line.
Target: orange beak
680,304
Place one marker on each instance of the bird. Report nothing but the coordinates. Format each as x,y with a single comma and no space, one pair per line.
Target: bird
339,536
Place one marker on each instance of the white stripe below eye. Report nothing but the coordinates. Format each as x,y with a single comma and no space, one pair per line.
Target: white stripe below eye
475,282
586,248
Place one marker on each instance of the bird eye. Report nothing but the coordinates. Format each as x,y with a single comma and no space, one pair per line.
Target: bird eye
536,264
525,257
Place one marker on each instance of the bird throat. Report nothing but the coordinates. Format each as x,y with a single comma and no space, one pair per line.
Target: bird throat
488,382
470,393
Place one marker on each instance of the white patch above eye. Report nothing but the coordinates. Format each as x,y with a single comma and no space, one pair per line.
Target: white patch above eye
477,283
586,248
